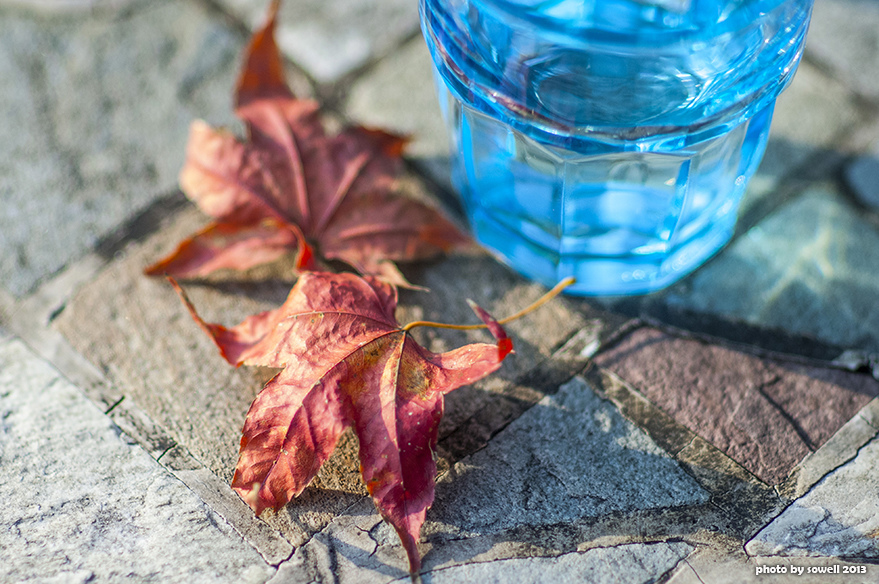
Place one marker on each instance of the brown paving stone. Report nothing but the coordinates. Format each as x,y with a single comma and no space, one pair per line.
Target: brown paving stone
820,400
766,415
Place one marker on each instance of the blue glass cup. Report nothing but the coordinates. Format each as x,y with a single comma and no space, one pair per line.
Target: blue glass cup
609,140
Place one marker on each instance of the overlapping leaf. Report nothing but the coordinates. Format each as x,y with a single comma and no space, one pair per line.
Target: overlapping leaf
347,363
293,186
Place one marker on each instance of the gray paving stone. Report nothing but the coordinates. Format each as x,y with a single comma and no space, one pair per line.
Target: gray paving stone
838,517
399,94
102,103
358,547
732,566
634,563
330,38
809,268
844,35
571,456
842,447
81,503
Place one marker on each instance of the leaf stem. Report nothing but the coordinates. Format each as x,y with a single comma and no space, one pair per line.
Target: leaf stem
469,327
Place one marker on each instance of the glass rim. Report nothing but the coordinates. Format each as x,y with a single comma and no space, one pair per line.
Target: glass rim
740,18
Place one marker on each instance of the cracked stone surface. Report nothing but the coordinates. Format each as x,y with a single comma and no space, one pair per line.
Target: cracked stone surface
359,548
725,566
766,415
844,35
838,517
809,269
570,456
102,102
81,503
331,39
630,564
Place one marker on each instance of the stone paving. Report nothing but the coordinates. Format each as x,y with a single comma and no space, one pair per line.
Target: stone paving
723,430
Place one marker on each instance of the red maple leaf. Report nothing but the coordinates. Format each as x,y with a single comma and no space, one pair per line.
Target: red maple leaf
293,186
347,363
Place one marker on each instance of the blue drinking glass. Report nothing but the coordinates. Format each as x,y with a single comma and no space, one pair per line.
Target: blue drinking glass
610,140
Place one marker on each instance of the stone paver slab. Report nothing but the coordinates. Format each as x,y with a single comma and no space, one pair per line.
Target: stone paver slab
81,503
629,564
331,38
766,415
359,548
725,566
571,456
844,34
838,517
101,104
841,447
809,269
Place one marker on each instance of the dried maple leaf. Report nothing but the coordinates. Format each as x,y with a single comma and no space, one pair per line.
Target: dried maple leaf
292,186
347,363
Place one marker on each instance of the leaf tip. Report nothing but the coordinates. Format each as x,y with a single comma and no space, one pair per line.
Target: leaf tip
263,72
410,544
251,497
154,269
305,260
504,348
504,342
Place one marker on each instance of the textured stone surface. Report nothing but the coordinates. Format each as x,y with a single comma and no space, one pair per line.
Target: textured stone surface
399,94
766,415
359,548
838,517
571,456
332,38
81,503
809,269
634,563
102,104
844,35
